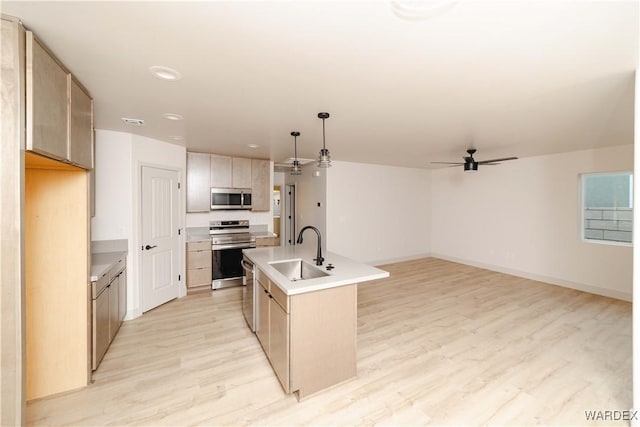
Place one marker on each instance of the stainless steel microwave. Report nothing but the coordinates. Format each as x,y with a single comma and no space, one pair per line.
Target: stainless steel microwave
230,198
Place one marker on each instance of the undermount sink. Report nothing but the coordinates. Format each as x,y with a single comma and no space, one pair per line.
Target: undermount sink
298,269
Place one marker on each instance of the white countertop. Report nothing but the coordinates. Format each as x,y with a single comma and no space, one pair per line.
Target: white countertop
102,262
346,271
197,234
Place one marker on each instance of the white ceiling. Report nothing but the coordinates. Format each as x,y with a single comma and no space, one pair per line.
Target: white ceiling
510,78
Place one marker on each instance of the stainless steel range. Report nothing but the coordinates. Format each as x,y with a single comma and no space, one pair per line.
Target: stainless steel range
228,239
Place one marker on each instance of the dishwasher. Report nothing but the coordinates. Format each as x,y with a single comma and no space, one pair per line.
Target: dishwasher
249,293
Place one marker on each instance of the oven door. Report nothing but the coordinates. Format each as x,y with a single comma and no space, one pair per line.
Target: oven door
226,264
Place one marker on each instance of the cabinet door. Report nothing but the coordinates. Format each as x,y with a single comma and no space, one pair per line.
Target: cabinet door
92,192
241,173
122,295
279,342
262,325
80,126
261,192
100,332
198,182
199,277
114,311
47,103
221,171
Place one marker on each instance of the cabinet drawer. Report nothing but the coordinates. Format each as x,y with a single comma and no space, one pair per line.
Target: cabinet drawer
263,280
199,246
199,277
118,266
99,284
199,259
281,298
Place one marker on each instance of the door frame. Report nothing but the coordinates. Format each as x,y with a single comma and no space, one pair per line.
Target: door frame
137,234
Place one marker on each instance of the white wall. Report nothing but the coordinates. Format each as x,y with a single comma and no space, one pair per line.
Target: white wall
311,201
201,219
113,156
378,214
523,218
119,158
636,254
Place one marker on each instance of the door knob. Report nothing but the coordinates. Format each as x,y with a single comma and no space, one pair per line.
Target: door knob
150,247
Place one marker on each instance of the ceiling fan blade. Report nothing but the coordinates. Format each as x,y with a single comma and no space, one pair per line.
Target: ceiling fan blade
504,159
447,163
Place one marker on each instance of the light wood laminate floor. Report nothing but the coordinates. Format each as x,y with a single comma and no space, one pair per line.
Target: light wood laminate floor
438,343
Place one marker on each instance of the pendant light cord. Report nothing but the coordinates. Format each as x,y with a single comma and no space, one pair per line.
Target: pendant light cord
324,146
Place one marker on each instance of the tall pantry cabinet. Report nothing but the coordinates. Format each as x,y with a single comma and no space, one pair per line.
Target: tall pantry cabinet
55,146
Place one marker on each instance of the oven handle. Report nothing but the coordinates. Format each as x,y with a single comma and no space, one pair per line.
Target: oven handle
246,265
233,246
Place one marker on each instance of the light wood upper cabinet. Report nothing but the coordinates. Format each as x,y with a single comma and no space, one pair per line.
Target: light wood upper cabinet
198,182
230,172
210,170
59,117
80,125
47,106
221,175
261,192
241,173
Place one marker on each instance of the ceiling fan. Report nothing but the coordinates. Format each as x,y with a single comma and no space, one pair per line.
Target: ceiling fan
471,164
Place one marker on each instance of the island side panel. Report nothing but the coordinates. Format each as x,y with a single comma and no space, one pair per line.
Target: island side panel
323,338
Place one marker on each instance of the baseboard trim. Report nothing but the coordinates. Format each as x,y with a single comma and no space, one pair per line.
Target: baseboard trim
541,278
399,259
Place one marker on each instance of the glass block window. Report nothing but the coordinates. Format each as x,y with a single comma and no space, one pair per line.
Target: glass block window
607,207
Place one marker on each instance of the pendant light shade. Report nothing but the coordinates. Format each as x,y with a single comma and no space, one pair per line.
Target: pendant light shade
324,159
295,167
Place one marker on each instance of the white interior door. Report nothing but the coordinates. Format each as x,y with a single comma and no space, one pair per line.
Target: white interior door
160,241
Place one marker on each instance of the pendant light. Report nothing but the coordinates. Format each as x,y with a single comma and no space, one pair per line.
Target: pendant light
324,159
295,167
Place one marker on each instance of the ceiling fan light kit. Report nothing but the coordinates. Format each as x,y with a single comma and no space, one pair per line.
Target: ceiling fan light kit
471,165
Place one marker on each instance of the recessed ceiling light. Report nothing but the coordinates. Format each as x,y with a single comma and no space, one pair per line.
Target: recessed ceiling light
133,122
171,116
165,73
253,146
176,138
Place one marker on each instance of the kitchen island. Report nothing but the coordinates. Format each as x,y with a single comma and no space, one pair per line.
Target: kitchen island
306,315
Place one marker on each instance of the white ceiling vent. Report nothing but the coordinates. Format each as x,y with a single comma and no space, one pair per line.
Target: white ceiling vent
133,122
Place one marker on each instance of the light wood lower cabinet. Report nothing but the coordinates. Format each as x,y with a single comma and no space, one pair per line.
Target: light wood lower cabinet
310,338
109,309
199,265
262,325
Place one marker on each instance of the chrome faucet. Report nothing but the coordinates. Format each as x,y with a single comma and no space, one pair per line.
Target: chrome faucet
318,258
